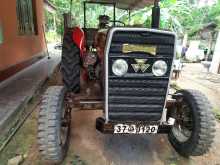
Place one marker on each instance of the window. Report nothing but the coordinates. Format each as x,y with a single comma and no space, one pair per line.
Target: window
26,17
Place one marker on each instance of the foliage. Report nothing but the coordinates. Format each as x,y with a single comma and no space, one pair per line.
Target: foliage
216,113
171,13
62,6
180,16
49,21
23,140
78,161
52,36
92,17
199,17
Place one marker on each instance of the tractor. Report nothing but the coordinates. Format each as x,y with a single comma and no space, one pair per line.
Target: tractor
126,72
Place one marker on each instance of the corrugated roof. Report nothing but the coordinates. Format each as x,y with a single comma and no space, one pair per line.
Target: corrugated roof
128,4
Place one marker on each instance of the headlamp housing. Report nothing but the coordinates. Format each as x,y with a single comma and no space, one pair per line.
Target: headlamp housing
159,68
119,67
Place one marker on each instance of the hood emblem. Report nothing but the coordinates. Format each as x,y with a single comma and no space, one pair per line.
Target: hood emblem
129,48
140,65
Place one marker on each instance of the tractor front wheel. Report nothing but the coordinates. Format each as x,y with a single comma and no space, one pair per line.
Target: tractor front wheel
53,125
194,128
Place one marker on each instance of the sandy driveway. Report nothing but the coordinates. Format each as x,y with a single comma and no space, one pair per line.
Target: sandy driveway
97,149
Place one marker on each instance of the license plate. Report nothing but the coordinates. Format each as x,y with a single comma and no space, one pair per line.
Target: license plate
135,129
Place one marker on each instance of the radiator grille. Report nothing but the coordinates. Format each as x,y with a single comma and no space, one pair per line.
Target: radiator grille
138,96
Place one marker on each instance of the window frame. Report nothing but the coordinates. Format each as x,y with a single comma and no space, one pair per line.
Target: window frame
26,17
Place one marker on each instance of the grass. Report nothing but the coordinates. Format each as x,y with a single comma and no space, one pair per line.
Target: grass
77,161
25,137
52,37
175,86
21,142
217,113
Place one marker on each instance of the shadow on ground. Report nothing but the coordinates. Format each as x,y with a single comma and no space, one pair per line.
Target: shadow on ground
96,148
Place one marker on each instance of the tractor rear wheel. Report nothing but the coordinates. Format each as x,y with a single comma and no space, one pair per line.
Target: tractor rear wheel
53,125
194,128
70,64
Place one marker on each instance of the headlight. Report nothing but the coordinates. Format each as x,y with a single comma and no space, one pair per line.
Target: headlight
159,68
120,67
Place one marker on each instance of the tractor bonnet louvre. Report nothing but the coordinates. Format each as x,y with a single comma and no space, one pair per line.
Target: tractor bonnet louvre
138,95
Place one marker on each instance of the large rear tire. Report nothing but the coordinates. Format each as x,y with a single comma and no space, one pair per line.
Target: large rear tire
53,125
70,64
194,129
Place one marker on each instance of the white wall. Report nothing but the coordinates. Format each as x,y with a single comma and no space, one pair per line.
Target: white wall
194,53
202,3
216,57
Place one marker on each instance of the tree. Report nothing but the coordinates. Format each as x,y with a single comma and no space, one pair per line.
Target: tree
180,16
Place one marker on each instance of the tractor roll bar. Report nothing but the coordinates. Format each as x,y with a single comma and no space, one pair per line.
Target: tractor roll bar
155,12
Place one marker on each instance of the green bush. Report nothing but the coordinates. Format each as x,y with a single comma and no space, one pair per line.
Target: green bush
52,37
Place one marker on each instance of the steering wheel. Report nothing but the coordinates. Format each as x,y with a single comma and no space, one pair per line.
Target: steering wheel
117,21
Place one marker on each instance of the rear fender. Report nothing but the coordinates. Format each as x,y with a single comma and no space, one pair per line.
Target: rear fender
78,37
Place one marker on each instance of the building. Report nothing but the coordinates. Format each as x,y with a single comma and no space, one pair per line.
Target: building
202,3
210,34
215,64
22,39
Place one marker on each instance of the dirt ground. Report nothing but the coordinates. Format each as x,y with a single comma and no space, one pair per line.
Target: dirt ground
90,147
95,148
195,76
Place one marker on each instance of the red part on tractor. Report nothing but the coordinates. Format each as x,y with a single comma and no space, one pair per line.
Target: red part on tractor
79,39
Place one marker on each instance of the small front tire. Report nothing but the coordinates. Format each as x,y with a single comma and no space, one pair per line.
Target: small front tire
53,125
194,129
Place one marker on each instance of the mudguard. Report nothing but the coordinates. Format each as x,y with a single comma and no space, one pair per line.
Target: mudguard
79,39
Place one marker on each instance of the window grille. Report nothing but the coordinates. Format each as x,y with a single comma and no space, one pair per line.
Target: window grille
26,17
